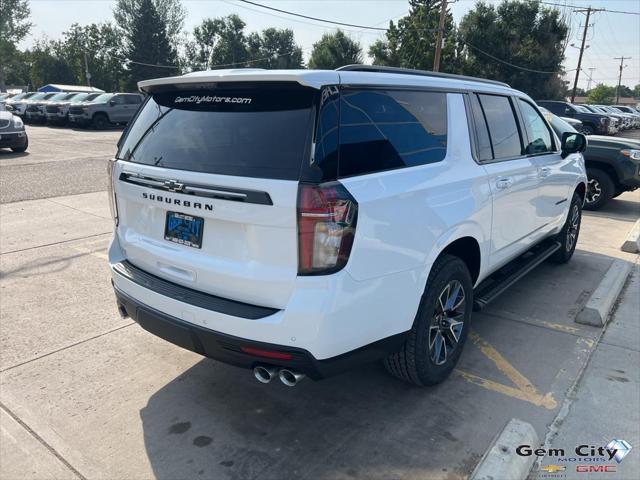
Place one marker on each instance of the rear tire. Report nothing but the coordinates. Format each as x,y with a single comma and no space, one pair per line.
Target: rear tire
439,331
600,189
568,236
100,121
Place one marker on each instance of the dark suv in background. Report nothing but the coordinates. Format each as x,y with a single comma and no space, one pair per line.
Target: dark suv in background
592,123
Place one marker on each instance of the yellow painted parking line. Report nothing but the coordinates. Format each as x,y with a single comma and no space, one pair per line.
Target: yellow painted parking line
523,389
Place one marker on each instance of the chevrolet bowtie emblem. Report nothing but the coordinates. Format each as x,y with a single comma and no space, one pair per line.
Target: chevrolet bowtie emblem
174,186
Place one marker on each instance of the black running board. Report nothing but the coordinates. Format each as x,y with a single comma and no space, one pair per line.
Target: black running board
498,282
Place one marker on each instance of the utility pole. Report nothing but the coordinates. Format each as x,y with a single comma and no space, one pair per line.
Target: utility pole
86,69
584,39
591,69
622,59
436,58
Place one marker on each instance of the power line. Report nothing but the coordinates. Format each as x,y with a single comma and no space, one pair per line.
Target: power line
549,72
577,6
364,27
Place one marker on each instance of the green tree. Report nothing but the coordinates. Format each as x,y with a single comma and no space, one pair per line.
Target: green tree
218,42
49,64
625,91
602,94
148,48
103,46
274,48
334,50
171,12
412,42
636,91
496,41
14,26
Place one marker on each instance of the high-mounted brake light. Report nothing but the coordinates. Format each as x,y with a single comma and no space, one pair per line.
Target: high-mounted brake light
327,217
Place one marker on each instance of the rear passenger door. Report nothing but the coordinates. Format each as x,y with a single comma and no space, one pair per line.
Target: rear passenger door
512,176
117,112
541,148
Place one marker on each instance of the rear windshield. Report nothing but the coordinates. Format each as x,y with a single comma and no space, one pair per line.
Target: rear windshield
252,131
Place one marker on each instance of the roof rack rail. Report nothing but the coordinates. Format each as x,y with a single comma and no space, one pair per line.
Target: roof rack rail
411,71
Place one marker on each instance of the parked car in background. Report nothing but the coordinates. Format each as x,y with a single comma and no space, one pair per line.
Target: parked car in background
616,119
12,132
17,103
4,96
57,112
634,120
106,109
625,118
613,164
575,123
632,111
36,112
592,122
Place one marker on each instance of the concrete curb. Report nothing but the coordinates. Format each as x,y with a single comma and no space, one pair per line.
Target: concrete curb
632,243
501,459
599,305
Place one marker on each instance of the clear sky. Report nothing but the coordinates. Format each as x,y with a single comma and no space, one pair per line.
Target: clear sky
612,34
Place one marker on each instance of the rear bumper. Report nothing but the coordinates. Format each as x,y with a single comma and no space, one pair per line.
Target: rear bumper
228,348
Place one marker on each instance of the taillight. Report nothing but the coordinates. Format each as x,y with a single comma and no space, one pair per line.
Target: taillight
327,217
113,205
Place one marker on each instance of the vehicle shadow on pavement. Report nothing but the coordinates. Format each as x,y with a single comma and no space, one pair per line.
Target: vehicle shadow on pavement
217,421
6,153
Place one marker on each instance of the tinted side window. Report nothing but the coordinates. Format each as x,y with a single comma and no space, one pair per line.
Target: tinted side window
538,135
383,130
119,99
483,143
133,99
503,128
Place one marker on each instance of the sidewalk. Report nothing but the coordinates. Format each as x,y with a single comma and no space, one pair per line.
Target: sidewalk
606,402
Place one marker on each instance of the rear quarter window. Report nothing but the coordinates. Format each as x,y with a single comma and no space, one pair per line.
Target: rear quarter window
259,131
384,130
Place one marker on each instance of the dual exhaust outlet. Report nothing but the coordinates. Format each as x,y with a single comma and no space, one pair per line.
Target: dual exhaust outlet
265,374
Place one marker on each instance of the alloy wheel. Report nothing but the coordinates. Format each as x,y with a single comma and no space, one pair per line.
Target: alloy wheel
594,190
447,322
574,226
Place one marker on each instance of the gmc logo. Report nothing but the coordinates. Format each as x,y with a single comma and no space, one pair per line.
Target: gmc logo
596,468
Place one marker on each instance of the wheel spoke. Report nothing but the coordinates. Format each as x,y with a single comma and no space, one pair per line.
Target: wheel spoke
439,353
454,331
452,300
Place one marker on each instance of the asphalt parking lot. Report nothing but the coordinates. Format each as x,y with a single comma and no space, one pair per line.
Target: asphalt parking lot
86,394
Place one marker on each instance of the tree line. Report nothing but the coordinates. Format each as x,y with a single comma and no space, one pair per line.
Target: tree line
521,43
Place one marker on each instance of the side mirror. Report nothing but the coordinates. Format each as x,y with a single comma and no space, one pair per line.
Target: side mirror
573,142
568,111
112,102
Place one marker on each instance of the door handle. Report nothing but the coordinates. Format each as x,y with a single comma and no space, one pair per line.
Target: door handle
544,172
504,183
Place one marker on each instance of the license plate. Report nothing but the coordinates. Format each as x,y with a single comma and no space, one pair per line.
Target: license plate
184,229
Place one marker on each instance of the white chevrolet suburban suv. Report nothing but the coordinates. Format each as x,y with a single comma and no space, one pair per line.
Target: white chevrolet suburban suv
300,222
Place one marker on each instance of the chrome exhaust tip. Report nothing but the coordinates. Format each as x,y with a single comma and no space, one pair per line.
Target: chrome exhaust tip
264,374
290,377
